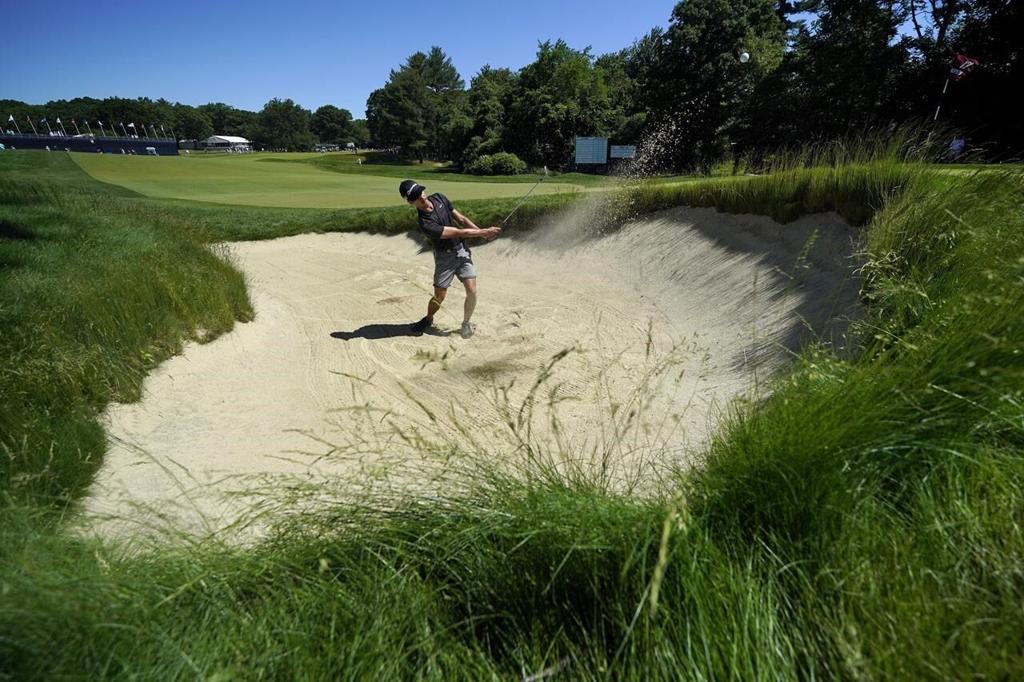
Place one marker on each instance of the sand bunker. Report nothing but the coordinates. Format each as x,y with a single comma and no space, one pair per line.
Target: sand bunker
614,355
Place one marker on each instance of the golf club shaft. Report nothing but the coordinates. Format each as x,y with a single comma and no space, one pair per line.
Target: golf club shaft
527,196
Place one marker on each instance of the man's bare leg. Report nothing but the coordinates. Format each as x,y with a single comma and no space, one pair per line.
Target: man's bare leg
467,326
470,306
432,307
436,301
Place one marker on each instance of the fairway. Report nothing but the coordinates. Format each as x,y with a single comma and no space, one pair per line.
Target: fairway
267,180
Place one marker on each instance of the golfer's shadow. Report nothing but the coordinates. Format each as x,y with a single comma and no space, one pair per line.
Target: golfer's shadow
385,331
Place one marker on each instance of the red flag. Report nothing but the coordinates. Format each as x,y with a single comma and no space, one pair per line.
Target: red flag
962,66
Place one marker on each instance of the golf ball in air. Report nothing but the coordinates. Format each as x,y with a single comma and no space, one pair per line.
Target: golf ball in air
744,57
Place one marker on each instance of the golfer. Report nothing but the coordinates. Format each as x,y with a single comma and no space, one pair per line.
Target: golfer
437,218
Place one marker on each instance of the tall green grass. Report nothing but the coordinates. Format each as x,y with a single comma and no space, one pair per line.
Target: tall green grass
864,521
95,292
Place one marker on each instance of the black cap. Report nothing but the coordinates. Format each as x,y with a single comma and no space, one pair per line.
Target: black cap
410,191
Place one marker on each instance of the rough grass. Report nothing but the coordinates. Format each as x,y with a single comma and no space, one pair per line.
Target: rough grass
95,292
863,522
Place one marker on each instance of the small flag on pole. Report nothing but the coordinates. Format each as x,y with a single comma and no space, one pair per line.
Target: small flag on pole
962,66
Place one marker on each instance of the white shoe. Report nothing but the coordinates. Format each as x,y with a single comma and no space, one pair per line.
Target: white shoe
467,330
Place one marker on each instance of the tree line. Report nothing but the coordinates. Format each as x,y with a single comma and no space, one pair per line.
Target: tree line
280,124
726,79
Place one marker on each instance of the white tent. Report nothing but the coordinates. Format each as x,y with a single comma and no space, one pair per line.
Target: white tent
229,143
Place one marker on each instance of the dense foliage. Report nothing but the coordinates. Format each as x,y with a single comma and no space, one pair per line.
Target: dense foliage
817,69
502,163
280,124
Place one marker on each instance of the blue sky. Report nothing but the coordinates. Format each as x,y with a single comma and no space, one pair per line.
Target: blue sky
315,52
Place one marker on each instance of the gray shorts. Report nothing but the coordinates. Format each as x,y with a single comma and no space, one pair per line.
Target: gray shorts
451,264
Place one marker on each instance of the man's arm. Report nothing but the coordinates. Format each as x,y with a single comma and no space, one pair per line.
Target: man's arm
471,231
450,232
463,219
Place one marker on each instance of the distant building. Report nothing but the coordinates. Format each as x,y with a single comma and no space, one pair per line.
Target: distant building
227,143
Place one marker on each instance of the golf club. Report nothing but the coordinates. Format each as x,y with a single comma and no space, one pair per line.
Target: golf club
525,197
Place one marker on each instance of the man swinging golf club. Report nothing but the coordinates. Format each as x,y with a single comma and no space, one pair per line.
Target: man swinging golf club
437,219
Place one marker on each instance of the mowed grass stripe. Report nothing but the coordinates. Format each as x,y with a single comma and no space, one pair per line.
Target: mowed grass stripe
250,181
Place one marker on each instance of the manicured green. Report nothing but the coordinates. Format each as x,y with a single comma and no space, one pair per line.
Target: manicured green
388,165
268,180
863,522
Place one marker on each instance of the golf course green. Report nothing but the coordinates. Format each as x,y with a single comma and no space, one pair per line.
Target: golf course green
284,180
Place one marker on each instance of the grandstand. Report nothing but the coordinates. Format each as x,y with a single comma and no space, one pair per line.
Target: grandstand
226,143
142,139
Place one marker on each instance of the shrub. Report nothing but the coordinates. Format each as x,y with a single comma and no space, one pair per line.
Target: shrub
502,163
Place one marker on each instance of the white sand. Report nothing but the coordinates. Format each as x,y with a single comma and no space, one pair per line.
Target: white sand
669,319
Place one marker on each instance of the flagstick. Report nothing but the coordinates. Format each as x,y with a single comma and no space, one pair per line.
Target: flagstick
944,87
75,123
29,119
63,132
16,128
48,128
87,127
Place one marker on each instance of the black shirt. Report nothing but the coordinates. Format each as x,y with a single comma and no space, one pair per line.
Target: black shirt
432,224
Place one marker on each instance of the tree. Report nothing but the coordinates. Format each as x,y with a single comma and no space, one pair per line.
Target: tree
489,95
331,124
437,71
421,110
283,124
359,132
990,31
191,123
698,87
557,97
227,120
399,113
932,21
